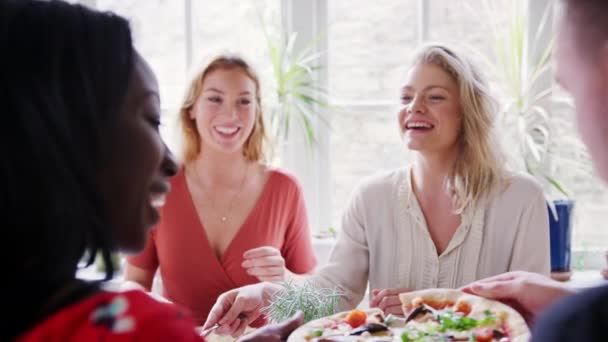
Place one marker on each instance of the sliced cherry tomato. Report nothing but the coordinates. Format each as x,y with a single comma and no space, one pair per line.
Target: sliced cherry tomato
356,318
483,335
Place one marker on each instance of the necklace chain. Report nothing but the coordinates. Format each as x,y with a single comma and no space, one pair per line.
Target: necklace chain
224,218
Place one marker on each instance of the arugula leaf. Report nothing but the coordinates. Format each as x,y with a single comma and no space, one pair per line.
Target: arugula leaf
448,320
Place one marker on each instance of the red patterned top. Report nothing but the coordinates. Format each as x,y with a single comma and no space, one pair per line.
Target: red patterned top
116,316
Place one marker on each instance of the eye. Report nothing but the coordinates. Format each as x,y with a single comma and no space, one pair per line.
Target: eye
406,99
436,98
244,102
154,120
214,99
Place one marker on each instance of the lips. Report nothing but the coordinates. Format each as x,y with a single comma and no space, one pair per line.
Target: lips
413,124
227,130
158,193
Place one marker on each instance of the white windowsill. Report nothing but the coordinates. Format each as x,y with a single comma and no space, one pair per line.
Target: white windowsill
582,279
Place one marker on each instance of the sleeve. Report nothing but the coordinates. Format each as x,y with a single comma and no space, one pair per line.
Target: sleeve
348,265
531,250
164,322
147,258
297,250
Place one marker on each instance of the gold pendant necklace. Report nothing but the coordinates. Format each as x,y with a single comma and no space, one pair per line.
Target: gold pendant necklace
235,197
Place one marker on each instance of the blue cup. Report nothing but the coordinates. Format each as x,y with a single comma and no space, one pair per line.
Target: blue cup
561,235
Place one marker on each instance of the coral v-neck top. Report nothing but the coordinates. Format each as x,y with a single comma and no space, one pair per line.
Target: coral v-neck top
192,275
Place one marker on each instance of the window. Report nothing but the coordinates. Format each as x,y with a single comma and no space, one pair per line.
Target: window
177,36
369,46
158,33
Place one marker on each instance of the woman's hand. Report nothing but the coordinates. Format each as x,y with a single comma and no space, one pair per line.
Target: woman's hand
528,293
388,300
265,263
236,309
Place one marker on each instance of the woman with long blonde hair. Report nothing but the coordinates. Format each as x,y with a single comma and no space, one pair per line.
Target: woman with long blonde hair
229,214
453,215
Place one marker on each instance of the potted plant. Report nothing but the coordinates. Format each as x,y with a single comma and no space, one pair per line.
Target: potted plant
297,93
532,120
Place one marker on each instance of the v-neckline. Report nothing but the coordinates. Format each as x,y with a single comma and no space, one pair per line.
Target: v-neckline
201,228
413,204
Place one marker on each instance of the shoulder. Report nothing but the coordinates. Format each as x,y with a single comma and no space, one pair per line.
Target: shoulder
582,317
520,188
521,183
283,178
283,186
381,183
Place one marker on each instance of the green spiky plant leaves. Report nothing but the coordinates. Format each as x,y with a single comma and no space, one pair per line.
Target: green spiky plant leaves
535,134
298,93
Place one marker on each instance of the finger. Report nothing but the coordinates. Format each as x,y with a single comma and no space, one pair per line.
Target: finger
240,329
275,260
223,303
226,329
232,327
394,310
265,271
375,292
235,327
500,277
261,252
494,290
237,309
388,302
272,279
385,293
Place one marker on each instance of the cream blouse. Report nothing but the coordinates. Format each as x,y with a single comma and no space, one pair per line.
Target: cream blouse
384,239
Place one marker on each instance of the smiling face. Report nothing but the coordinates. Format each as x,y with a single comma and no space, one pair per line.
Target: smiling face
430,116
134,181
225,111
586,78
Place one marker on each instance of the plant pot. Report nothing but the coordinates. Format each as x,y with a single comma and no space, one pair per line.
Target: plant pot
560,232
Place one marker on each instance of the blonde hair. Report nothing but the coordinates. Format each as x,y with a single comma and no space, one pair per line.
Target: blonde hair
479,168
253,149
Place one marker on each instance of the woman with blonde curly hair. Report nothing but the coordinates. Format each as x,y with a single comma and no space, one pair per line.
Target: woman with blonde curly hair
228,214
453,215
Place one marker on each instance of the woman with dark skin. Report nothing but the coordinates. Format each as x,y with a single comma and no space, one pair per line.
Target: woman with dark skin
84,169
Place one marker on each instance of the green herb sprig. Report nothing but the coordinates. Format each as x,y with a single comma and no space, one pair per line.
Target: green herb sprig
314,301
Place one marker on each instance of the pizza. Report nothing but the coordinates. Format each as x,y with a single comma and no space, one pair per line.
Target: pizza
429,315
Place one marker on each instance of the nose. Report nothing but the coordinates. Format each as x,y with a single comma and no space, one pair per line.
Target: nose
232,111
169,163
417,105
